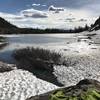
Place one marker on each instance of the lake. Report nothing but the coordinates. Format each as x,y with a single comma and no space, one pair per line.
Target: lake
32,40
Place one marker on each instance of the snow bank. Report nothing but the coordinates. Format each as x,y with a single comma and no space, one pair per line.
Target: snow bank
85,53
19,85
87,67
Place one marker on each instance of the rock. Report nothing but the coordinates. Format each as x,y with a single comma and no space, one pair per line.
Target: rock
3,44
86,89
4,67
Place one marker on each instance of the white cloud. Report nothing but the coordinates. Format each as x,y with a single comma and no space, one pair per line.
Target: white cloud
69,18
34,13
52,8
44,5
82,20
7,15
36,4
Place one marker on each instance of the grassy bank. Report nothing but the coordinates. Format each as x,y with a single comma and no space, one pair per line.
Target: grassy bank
36,58
39,61
91,94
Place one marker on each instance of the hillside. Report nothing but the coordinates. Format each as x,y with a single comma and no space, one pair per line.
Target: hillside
96,25
8,28
5,24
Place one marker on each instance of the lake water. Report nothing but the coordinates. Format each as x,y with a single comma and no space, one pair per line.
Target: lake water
31,40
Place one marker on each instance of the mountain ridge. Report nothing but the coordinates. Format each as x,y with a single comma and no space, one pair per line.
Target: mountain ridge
96,25
8,28
6,24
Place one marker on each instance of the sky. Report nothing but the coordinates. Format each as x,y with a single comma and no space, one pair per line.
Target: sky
50,13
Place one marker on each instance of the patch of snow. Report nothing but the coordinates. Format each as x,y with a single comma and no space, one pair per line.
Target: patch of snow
87,67
19,85
85,53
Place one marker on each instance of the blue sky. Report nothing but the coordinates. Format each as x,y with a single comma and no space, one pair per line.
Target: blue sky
39,13
16,5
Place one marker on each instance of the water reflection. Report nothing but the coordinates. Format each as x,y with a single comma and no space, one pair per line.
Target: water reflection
30,40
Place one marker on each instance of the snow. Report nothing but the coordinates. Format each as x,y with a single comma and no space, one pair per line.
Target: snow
85,54
86,67
75,48
20,84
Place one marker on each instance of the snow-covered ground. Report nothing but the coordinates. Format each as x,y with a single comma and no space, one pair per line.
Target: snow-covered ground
85,54
86,67
19,85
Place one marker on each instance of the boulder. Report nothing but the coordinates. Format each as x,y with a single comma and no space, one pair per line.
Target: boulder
87,89
4,67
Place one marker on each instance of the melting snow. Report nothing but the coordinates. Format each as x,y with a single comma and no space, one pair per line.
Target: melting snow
19,85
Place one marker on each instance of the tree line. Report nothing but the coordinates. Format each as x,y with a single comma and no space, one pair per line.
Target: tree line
8,28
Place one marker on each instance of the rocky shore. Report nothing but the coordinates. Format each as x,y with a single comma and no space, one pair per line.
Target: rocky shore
4,67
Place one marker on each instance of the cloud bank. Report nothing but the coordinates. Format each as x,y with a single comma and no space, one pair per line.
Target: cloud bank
53,17
33,13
